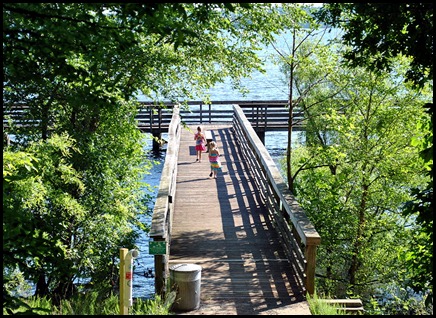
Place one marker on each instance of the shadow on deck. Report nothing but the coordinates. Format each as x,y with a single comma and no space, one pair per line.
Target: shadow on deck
223,226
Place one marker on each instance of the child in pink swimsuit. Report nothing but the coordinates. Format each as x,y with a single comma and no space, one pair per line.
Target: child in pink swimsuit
200,141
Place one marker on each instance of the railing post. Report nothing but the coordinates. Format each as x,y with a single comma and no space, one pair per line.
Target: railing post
310,254
265,120
210,113
160,119
159,281
257,117
151,117
201,113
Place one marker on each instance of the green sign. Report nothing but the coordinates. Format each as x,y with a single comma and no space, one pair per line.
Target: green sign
157,247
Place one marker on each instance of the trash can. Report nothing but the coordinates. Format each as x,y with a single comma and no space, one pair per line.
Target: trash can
186,280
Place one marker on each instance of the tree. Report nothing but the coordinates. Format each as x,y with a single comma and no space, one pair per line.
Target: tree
295,67
377,32
301,28
356,172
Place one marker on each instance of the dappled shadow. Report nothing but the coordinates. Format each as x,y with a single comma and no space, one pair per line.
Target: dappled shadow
244,245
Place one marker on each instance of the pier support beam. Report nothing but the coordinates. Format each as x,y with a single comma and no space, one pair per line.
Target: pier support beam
157,138
261,135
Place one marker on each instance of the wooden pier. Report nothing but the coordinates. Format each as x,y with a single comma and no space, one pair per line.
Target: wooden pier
222,225
253,241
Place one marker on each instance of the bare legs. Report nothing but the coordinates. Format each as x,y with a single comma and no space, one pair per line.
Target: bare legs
198,156
213,172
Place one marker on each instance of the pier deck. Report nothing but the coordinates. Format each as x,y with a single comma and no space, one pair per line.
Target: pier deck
222,225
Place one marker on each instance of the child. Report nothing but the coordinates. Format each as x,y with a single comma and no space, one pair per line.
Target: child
214,159
200,141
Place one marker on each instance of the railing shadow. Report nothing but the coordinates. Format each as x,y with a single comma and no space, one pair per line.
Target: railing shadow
261,242
247,245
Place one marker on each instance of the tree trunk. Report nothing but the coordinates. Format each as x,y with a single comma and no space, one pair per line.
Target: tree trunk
290,120
41,286
354,266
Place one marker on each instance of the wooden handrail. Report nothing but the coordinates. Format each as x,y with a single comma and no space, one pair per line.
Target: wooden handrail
163,211
300,239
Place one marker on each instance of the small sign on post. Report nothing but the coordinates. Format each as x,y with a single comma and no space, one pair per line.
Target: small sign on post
157,247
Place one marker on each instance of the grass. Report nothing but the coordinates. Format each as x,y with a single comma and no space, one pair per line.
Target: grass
319,307
89,304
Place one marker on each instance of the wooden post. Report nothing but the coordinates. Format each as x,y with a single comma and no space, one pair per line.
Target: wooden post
310,254
124,307
159,275
201,113
157,139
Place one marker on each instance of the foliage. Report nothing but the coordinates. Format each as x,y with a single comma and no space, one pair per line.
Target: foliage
50,228
319,307
420,260
156,306
295,59
376,33
394,300
357,169
131,47
289,63
90,304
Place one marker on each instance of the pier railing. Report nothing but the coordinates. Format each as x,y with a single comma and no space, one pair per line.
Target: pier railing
299,237
160,232
262,115
155,118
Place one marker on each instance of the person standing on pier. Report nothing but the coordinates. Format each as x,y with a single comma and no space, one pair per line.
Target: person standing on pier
214,159
200,141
